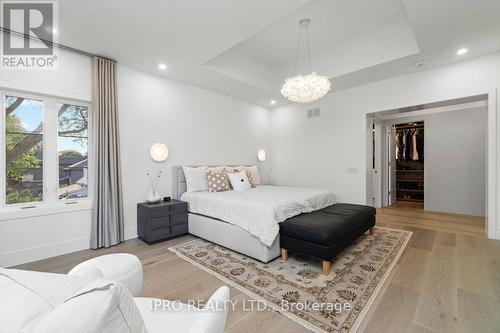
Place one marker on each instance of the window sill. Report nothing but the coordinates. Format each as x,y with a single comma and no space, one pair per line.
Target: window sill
13,213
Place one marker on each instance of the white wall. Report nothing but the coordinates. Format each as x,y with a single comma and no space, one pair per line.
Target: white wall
455,160
23,236
197,125
455,152
329,151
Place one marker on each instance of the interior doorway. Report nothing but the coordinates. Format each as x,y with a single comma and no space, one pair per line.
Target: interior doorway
406,181
433,158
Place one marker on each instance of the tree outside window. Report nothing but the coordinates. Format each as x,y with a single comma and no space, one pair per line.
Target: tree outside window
23,149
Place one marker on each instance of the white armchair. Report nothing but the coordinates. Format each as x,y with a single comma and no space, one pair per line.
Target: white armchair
122,267
90,302
187,318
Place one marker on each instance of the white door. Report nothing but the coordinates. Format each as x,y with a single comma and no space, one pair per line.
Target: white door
391,174
377,164
369,161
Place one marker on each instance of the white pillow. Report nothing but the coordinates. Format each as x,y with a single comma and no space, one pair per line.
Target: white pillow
196,179
239,181
254,173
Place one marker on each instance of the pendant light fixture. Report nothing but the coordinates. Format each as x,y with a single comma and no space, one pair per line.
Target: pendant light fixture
306,88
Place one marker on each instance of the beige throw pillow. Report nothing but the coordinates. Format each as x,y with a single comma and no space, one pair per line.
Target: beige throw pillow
254,174
217,181
250,179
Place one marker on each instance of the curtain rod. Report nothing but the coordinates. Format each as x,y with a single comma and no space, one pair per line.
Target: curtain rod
60,46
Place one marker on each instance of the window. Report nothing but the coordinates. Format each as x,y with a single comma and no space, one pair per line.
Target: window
45,148
23,149
72,144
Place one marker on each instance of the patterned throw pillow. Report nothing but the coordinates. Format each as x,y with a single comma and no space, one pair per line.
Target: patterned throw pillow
217,181
254,172
250,179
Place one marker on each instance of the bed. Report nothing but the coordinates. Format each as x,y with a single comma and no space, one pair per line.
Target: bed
247,221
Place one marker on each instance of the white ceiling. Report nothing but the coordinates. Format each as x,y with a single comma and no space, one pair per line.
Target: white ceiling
246,48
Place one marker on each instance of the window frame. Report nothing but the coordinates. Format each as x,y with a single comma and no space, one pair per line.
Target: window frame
50,204
89,146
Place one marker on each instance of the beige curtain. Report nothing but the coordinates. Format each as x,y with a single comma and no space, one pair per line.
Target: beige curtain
107,212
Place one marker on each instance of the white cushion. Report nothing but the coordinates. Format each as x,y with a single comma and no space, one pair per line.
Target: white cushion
46,302
100,309
254,173
164,319
183,318
90,272
213,317
122,267
239,180
196,179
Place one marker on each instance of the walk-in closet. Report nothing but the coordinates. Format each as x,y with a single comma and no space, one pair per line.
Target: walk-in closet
410,161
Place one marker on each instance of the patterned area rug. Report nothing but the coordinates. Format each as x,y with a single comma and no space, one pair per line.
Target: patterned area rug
296,288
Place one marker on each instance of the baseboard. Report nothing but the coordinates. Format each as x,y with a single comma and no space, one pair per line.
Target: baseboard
13,258
18,257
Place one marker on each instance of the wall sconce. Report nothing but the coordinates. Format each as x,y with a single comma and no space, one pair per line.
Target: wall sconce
261,155
158,152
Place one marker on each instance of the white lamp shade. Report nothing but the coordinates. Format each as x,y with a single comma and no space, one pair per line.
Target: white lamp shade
158,152
261,155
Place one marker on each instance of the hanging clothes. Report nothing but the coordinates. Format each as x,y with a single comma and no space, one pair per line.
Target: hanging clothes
409,144
414,150
398,150
420,145
403,156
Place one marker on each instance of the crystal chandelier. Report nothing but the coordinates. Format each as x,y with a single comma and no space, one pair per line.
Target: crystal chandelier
305,88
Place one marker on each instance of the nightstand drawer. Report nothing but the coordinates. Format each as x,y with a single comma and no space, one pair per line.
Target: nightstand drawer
159,234
159,211
179,229
159,222
181,207
178,219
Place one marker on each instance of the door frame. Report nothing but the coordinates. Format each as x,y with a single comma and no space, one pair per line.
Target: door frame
492,227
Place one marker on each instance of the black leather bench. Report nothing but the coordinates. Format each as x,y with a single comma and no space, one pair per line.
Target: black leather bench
326,232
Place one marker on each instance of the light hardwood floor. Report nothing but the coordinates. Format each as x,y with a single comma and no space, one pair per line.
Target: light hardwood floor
447,280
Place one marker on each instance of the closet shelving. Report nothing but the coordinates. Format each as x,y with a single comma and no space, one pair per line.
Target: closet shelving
409,171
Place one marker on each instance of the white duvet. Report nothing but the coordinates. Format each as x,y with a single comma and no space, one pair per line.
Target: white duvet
260,209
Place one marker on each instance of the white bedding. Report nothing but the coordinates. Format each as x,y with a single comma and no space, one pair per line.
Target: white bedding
260,209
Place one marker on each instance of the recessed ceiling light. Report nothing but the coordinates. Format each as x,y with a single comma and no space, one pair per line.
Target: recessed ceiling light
272,102
462,51
162,67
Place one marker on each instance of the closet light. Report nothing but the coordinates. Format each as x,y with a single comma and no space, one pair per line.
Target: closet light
162,67
462,51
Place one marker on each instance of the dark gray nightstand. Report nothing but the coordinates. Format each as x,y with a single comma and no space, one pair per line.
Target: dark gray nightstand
163,220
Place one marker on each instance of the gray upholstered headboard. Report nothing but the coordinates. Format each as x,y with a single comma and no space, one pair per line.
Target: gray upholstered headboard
178,183
179,180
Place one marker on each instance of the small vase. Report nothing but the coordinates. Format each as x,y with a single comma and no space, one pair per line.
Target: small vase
153,196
